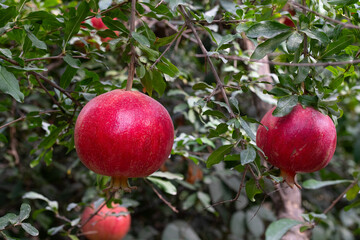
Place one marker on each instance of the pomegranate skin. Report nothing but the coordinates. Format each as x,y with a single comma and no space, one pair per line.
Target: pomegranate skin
98,23
105,225
123,134
302,141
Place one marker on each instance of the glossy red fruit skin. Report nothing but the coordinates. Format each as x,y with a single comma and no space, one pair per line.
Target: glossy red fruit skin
123,134
302,141
105,225
98,23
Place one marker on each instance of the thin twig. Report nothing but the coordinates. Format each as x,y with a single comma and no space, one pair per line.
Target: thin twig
131,72
169,46
241,186
24,117
108,10
13,141
318,64
346,25
183,35
305,36
203,49
162,198
61,56
99,209
341,196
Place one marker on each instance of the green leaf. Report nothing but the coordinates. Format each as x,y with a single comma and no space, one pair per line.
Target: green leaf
10,85
72,26
210,15
285,105
338,45
35,41
218,155
302,73
202,86
247,129
214,113
167,175
50,140
353,192
6,52
308,100
140,39
317,35
158,82
30,229
342,3
268,29
165,40
279,92
247,155
54,206
205,201
294,41
269,45
25,210
277,229
252,189
165,185
336,82
167,68
174,3
315,184
46,18
8,219
6,15
74,63
115,25
67,76
355,204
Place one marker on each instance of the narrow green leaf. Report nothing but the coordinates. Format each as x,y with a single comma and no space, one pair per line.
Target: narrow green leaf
115,25
294,41
165,185
218,155
140,39
317,35
214,113
252,189
285,105
336,82
342,3
72,26
35,41
6,52
158,82
302,73
167,175
247,129
9,218
74,63
202,86
268,29
25,210
210,15
10,85
353,192
33,195
67,76
315,184
30,229
6,15
355,204
50,140
338,45
269,45
167,68
247,155
277,229
159,42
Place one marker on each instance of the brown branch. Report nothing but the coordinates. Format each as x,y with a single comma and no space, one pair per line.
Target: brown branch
161,197
13,141
203,49
99,209
61,56
305,36
318,64
346,25
341,196
131,72
241,186
169,46
10,60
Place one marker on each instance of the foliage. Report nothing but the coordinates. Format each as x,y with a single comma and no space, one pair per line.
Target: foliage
53,61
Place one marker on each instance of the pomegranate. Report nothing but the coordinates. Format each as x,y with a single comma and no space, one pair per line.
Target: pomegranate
109,223
123,134
302,141
98,23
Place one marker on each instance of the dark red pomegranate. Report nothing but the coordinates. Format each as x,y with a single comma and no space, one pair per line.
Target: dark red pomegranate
123,134
109,223
302,141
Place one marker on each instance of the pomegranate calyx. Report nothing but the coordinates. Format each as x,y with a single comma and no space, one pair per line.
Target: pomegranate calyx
289,178
119,183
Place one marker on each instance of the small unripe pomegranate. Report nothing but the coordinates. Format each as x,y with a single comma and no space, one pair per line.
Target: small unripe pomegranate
123,134
109,223
302,141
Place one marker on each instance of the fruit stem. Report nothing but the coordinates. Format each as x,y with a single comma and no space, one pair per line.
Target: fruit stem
289,178
119,183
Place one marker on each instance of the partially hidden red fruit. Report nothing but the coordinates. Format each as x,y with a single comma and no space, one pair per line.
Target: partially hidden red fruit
109,223
98,23
302,141
123,134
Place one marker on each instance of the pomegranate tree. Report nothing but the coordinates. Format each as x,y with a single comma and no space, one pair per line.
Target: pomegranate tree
109,223
302,141
123,134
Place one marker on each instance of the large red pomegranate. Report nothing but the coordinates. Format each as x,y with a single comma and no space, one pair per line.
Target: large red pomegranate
302,141
109,223
123,134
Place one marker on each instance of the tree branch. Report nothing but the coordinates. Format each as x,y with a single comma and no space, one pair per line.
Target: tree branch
203,49
346,25
162,198
318,64
131,72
